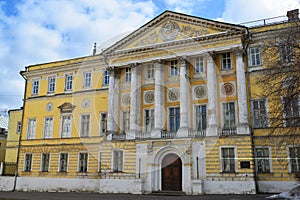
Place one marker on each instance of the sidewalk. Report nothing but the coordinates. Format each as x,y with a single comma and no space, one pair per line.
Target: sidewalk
96,196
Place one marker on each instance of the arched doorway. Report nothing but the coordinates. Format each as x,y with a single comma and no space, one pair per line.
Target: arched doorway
171,173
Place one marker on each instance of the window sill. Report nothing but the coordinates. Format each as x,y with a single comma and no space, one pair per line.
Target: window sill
226,71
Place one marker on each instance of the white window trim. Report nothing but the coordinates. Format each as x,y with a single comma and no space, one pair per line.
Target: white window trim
267,110
129,73
61,125
41,162
51,134
284,111
204,65
87,163
289,157
112,160
170,71
65,75
250,59
168,120
84,80
19,124
89,131
235,159
103,78
270,158
24,164
144,118
194,115
27,136
222,112
122,127
221,61
60,163
48,78
100,123
32,88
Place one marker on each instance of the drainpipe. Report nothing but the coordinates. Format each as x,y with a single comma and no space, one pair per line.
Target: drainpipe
250,116
20,136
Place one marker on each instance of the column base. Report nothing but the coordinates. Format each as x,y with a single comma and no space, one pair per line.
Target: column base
212,130
183,132
156,133
243,129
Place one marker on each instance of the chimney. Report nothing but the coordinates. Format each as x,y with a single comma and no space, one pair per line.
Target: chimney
293,15
94,50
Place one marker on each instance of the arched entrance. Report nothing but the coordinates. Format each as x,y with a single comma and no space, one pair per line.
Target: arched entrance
171,173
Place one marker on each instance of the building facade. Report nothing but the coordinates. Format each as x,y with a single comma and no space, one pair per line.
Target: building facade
167,108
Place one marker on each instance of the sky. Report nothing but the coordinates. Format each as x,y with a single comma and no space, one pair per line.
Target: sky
39,31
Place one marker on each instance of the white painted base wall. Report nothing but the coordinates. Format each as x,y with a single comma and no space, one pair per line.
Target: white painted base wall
132,186
275,186
229,187
6,183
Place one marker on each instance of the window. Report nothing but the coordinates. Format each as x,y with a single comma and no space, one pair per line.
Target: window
85,125
127,74
226,61
69,82
174,118
31,128
45,162
287,54
35,87
255,57
48,126
63,162
87,79
174,70
291,112
200,117
259,113
19,127
106,77
103,123
66,126
51,84
149,120
228,160
262,160
126,120
229,115
199,65
83,162
294,159
149,71
117,161
27,162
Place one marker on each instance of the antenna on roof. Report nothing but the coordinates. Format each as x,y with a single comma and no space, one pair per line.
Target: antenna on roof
94,50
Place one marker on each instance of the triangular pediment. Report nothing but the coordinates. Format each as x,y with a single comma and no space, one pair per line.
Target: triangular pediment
66,107
172,26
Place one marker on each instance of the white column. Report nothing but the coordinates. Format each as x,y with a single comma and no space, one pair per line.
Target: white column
113,101
184,100
212,115
159,109
243,127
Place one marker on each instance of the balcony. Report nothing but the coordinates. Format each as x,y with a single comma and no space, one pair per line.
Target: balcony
168,134
119,136
227,131
197,133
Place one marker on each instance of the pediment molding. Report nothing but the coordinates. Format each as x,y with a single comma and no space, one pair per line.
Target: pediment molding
66,107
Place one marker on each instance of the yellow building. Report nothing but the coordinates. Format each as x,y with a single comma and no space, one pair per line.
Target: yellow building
166,108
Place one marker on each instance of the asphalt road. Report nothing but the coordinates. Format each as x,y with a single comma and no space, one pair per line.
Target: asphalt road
94,196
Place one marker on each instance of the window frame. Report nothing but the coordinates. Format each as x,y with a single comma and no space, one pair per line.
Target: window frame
29,169
87,79
43,169
223,114
151,119
255,58
51,128
69,134
173,68
115,165
283,51
105,78
33,130
19,127
175,116
127,77
266,117
149,71
235,159
103,127
35,86
223,57
86,162
201,117
51,84
290,168
295,114
60,169
125,122
269,159
69,82
82,129
195,65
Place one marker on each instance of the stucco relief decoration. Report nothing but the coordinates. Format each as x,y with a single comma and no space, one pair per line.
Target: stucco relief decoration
189,31
49,107
174,94
150,39
227,89
199,92
85,103
169,31
126,99
149,97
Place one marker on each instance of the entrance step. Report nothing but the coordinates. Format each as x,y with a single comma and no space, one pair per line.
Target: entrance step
169,193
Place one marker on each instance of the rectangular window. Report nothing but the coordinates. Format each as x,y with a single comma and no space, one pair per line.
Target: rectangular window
48,126
174,70
66,126
200,117
87,79
260,119
103,123
294,159
127,74
150,71
31,128
229,115
291,112
35,87
85,125
287,54
149,120
27,162
106,77
174,118
228,160
226,61
199,65
83,162
45,162
69,82
117,161
51,84
126,120
262,160
254,56
63,162
19,127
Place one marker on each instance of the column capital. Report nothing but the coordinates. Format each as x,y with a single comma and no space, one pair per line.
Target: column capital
113,71
238,51
134,65
182,60
211,56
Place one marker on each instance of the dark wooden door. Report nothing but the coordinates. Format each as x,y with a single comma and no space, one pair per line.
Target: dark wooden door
171,173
